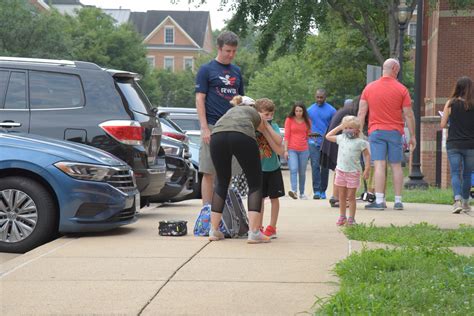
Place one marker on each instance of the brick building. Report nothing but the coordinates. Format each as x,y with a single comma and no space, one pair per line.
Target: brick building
448,43
174,39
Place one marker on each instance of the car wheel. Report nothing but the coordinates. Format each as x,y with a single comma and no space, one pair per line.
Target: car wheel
28,215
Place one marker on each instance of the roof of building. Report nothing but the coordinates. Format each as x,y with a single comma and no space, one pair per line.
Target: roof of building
119,15
71,2
194,23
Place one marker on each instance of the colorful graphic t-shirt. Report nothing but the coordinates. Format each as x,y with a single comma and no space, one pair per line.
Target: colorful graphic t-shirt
220,83
269,158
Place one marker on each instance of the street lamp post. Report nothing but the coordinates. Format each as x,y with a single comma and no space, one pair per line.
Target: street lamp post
416,177
402,22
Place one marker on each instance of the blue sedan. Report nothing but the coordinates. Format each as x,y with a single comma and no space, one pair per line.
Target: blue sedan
49,186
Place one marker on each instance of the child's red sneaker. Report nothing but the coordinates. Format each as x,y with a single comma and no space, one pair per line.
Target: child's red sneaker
271,232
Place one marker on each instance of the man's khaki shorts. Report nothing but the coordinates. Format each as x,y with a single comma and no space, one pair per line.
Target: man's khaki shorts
205,160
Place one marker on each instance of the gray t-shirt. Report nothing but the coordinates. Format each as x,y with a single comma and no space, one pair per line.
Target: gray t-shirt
244,119
348,156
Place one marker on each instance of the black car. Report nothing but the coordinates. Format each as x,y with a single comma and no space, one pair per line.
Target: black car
173,129
181,176
82,102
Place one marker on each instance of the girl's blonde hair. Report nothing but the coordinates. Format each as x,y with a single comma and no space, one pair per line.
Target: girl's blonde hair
351,121
242,100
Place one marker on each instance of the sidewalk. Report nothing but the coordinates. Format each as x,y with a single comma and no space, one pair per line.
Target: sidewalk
135,271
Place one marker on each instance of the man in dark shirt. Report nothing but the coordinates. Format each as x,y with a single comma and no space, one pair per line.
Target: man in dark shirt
217,82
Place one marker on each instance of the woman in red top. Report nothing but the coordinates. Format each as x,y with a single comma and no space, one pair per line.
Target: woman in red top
297,130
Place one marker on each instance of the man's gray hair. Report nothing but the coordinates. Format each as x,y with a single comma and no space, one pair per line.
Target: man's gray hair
227,38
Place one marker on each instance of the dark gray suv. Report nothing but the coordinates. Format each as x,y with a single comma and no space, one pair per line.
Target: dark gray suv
82,102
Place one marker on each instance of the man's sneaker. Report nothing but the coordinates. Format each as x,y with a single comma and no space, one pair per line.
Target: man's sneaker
303,197
323,195
334,202
270,232
341,221
215,235
398,206
317,195
351,221
466,208
292,194
457,207
257,238
375,206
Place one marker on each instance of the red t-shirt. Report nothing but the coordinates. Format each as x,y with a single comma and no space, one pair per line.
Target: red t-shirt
386,98
296,134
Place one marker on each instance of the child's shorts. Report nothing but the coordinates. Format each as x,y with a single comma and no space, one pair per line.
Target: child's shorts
350,180
272,184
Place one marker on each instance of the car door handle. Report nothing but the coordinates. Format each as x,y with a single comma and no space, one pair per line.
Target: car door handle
9,124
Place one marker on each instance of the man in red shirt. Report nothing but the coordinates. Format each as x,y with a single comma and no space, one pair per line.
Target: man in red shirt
388,103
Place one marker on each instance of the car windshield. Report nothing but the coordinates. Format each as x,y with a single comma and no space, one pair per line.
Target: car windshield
135,96
188,124
195,139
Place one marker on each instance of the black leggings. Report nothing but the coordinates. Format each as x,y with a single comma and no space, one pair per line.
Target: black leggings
224,145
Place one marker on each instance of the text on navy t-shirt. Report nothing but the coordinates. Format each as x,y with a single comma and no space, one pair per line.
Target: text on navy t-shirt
220,83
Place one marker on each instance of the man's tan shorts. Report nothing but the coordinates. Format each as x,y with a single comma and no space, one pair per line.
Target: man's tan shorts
205,160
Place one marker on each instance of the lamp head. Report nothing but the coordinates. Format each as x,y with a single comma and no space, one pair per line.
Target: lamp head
402,12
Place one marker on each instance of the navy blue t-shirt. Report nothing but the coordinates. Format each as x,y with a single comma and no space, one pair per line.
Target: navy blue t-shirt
220,83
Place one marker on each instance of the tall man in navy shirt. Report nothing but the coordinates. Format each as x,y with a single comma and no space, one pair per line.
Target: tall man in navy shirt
217,82
320,114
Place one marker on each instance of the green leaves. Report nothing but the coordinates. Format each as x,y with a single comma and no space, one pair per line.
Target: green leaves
27,33
285,80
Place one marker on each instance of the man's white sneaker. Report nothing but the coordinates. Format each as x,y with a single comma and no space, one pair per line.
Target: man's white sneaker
457,207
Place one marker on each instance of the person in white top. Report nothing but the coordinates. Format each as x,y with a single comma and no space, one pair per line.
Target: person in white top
348,168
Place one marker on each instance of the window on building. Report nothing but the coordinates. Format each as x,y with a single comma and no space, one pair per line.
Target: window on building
169,35
188,63
151,61
169,63
54,91
412,30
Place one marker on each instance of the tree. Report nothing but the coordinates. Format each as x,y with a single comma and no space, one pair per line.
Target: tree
171,89
286,23
338,56
26,32
97,39
284,80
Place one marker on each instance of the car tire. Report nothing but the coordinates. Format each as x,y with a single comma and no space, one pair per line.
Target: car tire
34,219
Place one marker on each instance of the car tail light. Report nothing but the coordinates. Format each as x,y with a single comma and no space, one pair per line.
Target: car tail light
124,131
178,136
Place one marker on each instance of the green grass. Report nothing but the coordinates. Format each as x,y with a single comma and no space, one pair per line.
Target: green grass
411,281
432,195
421,234
421,277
